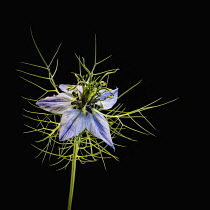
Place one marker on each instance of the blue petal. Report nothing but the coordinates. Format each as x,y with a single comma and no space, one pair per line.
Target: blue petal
108,102
73,122
65,87
55,105
98,126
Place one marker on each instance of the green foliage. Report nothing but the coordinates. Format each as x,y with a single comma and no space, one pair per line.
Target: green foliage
89,148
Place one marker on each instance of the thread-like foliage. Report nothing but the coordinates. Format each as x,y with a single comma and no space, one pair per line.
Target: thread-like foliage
90,148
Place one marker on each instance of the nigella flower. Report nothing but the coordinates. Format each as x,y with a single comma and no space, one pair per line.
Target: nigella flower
79,108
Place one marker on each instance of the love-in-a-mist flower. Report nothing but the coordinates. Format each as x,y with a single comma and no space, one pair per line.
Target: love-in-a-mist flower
77,118
79,106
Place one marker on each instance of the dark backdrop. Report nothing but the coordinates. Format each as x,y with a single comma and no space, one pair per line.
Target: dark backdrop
146,42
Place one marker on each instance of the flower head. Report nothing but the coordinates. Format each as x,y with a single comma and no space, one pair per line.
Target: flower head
79,106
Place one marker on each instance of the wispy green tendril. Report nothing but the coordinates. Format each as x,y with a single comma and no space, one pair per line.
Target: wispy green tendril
89,148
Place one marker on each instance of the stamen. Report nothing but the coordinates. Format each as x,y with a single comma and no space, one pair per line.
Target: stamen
88,108
80,107
74,103
74,94
96,106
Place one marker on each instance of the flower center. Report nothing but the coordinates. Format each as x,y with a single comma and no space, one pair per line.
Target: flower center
84,104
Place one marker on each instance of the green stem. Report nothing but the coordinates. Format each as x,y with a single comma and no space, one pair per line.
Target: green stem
73,172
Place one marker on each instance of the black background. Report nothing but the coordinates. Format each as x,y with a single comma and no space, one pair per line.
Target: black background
148,42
